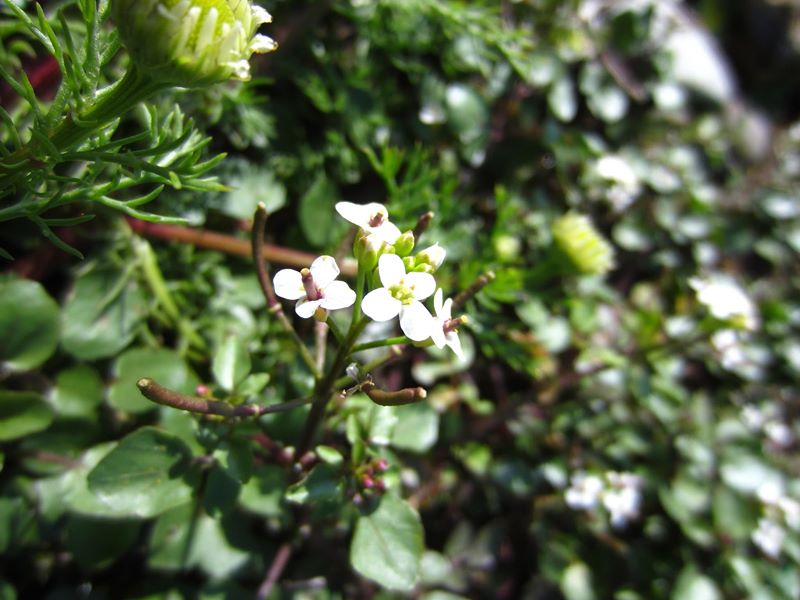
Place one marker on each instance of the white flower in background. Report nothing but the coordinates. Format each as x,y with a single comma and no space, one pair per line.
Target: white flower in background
779,433
624,185
623,498
373,218
584,491
400,295
769,537
445,329
739,356
791,511
314,288
726,300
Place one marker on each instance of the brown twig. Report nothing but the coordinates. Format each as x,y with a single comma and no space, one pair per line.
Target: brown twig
262,272
422,224
276,569
211,240
166,397
475,287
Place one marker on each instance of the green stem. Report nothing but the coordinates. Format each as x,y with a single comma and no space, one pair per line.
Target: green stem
337,333
392,341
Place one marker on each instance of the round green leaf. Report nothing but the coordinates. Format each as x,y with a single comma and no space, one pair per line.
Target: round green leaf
388,543
96,543
78,392
29,324
417,427
101,314
164,366
22,413
145,475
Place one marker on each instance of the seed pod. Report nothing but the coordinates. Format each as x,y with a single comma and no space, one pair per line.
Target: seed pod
192,43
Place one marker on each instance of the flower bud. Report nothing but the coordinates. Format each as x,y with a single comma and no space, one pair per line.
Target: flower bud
192,43
404,244
367,249
433,256
582,245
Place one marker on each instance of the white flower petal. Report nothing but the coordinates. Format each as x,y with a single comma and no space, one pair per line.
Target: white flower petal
338,295
260,15
305,308
416,322
454,342
437,335
391,269
447,310
437,303
379,305
288,284
324,270
261,44
360,214
422,284
386,232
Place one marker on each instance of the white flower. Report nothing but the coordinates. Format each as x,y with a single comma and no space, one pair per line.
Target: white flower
725,300
779,433
769,536
791,511
584,491
623,499
624,185
401,294
445,329
314,288
373,218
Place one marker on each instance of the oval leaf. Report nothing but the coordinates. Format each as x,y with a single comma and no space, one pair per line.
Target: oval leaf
145,475
22,413
29,324
388,544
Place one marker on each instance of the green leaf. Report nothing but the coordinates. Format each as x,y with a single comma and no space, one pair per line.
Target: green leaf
320,223
78,392
417,427
692,585
251,186
212,550
162,365
22,413
145,475
96,543
101,314
322,484
29,324
231,363
263,493
388,543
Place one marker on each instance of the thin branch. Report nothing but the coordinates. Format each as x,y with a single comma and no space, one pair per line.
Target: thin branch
475,287
257,245
276,569
321,331
211,240
166,397
392,341
397,398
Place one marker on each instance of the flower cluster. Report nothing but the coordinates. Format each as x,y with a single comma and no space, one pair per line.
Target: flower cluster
192,42
619,493
398,281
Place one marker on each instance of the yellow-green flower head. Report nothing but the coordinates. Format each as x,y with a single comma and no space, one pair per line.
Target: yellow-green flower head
582,245
192,42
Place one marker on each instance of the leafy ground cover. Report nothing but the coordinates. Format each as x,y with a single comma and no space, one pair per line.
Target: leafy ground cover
613,185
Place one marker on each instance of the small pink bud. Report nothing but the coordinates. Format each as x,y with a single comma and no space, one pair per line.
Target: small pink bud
202,390
367,482
382,464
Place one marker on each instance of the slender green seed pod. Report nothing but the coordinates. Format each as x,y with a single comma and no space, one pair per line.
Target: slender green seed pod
582,245
192,43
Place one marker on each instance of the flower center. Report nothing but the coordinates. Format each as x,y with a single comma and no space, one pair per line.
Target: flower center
402,292
375,220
